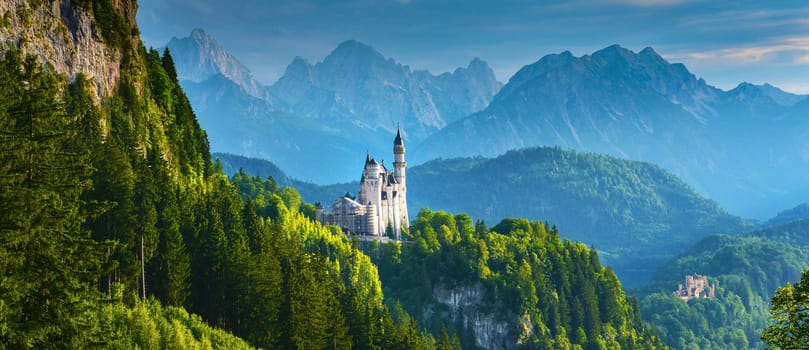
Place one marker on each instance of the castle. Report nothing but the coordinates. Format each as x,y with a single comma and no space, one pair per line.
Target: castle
382,202
696,286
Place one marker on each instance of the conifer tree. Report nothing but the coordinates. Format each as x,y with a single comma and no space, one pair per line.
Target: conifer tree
48,262
172,268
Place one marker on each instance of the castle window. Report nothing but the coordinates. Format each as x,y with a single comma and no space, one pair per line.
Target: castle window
384,195
394,194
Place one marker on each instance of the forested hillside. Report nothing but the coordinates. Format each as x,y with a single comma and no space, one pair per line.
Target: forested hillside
636,214
514,285
747,269
112,208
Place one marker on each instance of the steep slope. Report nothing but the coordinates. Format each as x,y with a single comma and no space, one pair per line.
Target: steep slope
747,269
594,102
109,200
516,285
737,147
68,36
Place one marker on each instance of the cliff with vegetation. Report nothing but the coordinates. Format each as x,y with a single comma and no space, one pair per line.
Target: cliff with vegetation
92,38
516,285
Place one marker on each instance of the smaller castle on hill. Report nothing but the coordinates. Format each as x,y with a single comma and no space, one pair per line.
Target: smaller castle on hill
696,286
382,201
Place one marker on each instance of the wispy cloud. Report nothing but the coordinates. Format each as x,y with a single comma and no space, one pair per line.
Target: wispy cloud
792,50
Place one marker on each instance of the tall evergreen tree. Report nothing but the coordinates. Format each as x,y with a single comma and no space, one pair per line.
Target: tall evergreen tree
48,261
171,269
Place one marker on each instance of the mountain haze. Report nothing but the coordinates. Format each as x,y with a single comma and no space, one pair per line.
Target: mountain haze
739,147
349,103
356,84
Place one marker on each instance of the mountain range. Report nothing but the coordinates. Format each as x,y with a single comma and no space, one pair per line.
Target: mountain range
320,116
746,148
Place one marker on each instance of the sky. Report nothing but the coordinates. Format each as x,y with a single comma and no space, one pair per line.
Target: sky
724,42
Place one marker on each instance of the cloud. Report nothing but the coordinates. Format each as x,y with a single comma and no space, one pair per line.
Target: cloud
793,50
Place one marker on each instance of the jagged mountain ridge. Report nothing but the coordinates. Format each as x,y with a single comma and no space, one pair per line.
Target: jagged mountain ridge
199,57
615,101
349,103
356,83
639,106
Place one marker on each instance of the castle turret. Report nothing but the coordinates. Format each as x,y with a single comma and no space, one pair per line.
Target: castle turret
399,163
370,183
399,170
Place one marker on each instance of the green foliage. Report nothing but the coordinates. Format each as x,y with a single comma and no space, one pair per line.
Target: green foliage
148,325
113,27
789,316
549,292
135,171
48,261
636,214
747,269
305,285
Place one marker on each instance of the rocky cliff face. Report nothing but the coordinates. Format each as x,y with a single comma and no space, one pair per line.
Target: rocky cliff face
464,307
64,34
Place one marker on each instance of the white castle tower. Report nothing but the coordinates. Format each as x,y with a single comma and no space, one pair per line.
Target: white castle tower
382,201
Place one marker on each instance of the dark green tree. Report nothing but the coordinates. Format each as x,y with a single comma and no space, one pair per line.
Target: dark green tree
48,262
172,266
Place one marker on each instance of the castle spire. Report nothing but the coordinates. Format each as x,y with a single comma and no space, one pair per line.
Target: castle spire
398,140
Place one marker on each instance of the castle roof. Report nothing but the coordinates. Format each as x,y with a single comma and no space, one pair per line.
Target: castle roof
369,160
398,140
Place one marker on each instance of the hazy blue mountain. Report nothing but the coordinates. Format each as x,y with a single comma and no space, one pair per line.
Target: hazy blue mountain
358,85
797,213
319,119
782,97
199,56
744,147
636,214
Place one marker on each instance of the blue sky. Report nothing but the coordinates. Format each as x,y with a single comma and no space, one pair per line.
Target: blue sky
725,42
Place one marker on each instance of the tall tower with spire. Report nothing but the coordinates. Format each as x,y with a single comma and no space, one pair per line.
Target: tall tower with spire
381,207
399,170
